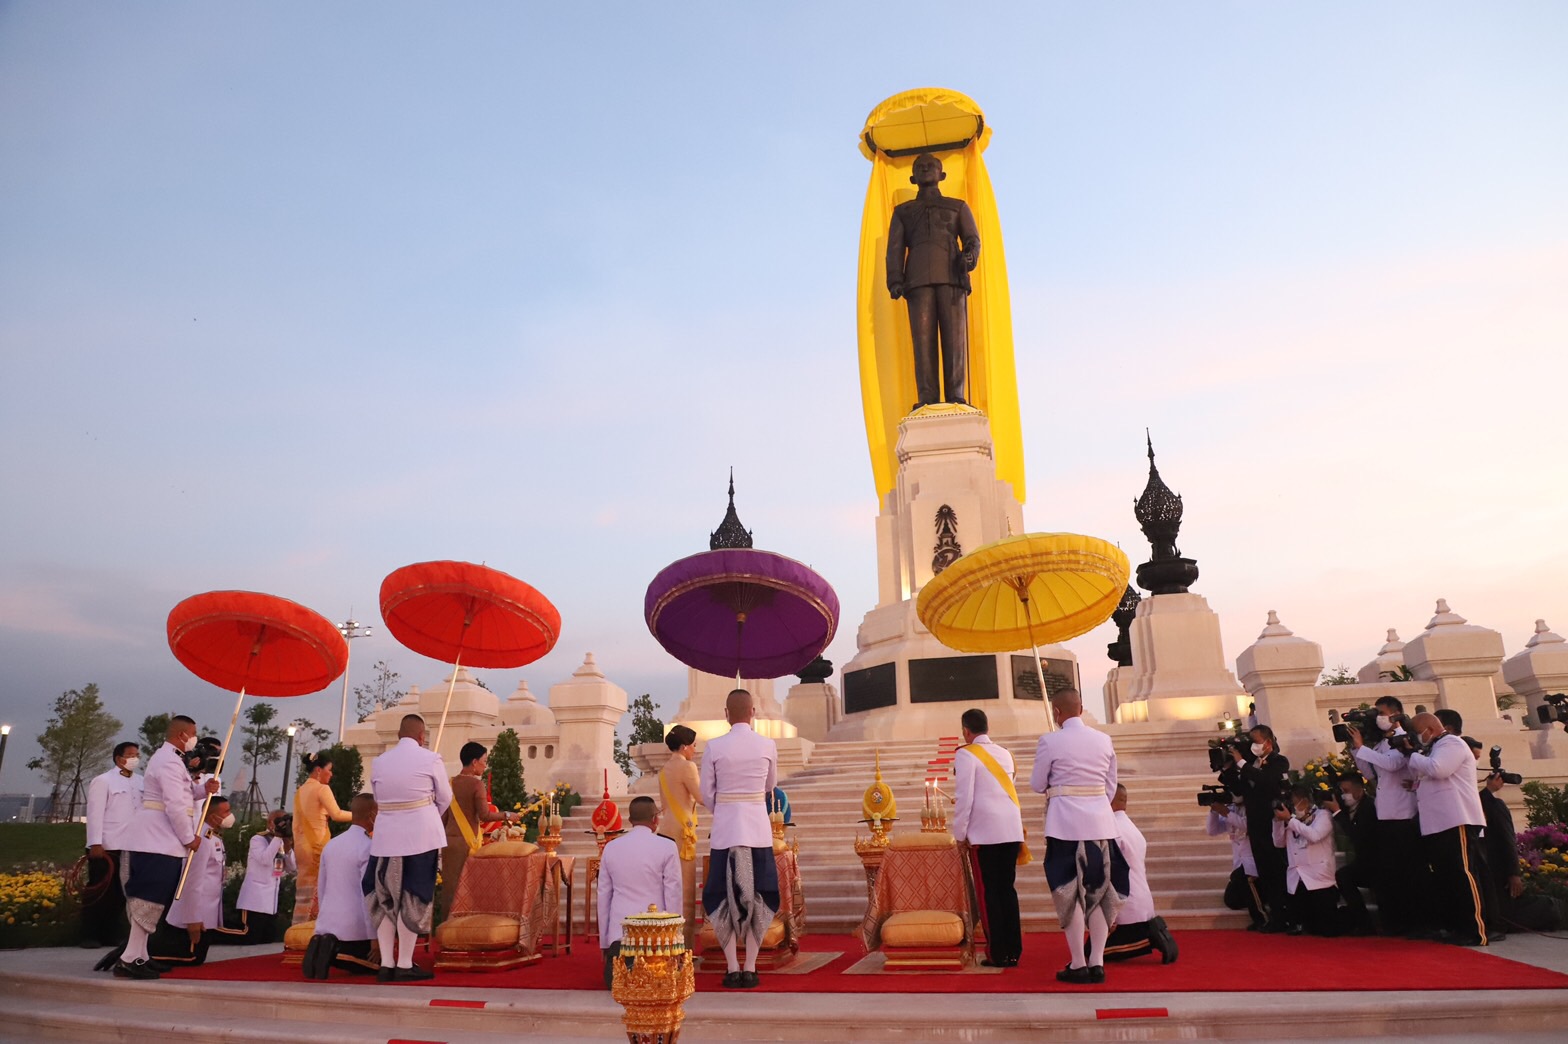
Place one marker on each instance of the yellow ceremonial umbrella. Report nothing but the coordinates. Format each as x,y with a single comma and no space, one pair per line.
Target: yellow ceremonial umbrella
1024,590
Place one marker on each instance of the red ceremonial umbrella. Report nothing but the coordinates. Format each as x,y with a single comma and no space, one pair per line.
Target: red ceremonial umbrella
244,641
460,612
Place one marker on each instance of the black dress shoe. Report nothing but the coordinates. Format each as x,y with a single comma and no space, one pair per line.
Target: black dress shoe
749,980
135,970
1097,974
732,980
1078,975
414,974
1274,928
109,960
1295,929
1160,936
386,975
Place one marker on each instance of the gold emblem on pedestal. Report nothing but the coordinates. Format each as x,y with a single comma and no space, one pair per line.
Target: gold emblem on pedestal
654,989
879,810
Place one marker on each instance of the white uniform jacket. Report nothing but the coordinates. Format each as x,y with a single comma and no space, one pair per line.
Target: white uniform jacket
112,802
1234,826
412,791
1139,904
166,822
1079,757
638,869
983,814
340,895
259,890
1386,767
739,769
1446,794
202,901
1309,850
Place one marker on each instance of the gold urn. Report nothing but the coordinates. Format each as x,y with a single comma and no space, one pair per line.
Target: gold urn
653,976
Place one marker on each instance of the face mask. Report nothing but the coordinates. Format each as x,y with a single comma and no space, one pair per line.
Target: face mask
1348,800
1384,723
226,822
131,763
190,744
1258,750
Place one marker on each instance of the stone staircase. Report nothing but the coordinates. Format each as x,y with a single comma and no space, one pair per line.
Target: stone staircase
1187,869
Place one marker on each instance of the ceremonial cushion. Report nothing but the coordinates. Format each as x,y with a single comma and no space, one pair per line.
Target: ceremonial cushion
478,932
773,937
921,839
298,935
505,850
923,928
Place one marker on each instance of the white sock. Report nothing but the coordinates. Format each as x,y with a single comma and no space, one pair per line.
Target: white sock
1099,930
386,932
751,955
406,938
1074,930
730,963
136,946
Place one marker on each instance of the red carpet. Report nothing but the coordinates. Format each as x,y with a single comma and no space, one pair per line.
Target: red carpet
1210,963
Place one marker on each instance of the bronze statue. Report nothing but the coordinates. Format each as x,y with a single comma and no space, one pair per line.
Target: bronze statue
932,246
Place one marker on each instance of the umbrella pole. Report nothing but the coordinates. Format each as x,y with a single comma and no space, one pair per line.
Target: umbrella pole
456,662
1050,722
206,802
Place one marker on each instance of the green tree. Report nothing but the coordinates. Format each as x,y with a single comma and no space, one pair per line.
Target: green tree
76,742
380,692
647,727
348,774
1338,676
623,757
261,741
306,727
506,772
154,730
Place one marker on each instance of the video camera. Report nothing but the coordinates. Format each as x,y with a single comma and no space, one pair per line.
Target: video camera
283,826
1212,795
1513,778
1365,721
202,760
1554,709
1406,743
1219,751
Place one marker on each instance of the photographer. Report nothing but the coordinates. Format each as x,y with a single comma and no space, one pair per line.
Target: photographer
1306,834
1451,822
1400,878
271,854
1241,891
1260,780
1357,817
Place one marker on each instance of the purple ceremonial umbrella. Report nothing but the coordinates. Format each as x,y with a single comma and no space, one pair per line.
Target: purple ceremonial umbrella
736,610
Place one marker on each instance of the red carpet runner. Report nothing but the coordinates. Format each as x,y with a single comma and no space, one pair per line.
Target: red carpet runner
1211,962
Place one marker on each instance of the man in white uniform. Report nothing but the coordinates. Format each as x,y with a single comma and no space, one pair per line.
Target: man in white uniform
638,869
271,855
113,799
412,792
1306,833
1402,882
1075,768
343,929
1241,891
197,913
741,892
1452,821
161,835
987,821
1137,930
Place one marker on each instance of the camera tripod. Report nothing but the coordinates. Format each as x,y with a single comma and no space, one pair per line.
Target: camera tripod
252,799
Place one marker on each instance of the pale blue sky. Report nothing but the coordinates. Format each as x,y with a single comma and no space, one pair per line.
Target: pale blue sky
294,294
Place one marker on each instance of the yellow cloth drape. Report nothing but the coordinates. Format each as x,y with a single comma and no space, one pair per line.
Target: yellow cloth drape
903,125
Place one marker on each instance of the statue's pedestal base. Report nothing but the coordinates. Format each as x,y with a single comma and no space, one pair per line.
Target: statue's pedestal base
1178,670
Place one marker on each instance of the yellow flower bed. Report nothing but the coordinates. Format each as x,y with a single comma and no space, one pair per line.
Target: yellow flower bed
29,896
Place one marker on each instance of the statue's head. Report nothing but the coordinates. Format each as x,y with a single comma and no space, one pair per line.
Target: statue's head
927,170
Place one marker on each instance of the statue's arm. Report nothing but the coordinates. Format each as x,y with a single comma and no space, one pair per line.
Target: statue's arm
968,236
895,257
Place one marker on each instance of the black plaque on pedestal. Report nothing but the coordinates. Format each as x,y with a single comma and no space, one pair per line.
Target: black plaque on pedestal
870,688
952,679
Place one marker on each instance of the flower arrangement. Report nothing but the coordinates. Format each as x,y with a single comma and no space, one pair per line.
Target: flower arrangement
36,907
563,798
1543,860
1323,773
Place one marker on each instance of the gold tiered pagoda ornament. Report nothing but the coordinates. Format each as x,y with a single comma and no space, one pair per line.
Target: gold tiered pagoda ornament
880,811
654,989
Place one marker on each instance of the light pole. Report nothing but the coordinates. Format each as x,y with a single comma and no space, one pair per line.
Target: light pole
5,734
350,629
288,764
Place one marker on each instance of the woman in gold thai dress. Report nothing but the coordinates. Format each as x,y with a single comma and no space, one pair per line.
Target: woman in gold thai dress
315,808
680,795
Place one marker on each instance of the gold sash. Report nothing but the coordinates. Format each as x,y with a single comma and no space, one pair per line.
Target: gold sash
686,844
463,827
995,768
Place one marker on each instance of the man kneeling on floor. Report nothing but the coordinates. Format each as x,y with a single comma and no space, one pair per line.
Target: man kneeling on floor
196,915
344,935
639,869
1138,931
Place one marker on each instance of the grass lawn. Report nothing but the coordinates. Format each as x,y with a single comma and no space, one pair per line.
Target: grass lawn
22,843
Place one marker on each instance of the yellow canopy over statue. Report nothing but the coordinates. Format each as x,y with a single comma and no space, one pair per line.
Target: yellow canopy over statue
951,127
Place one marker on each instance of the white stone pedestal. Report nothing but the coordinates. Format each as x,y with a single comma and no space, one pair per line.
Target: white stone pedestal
1178,663
587,708
813,708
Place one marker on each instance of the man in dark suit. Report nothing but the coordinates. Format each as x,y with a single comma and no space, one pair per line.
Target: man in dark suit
932,246
1357,817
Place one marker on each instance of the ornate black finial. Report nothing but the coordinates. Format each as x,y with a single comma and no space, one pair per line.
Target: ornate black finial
947,548
1120,650
1158,512
818,670
730,533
